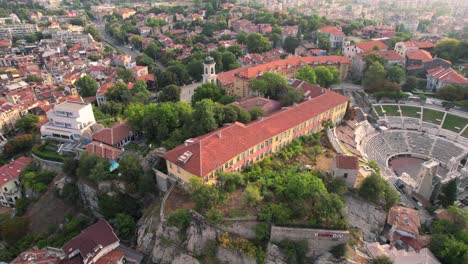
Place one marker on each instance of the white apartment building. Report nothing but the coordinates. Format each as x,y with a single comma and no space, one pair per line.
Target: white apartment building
17,30
68,121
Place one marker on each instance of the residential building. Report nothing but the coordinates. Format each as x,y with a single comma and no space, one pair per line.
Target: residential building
139,71
335,36
238,145
439,77
403,47
391,58
68,121
97,244
126,12
35,256
289,31
424,256
365,47
380,31
103,150
416,59
403,226
17,30
347,168
237,82
10,182
117,136
8,115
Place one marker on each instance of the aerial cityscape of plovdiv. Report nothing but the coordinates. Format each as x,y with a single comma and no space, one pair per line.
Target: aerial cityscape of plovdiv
234,131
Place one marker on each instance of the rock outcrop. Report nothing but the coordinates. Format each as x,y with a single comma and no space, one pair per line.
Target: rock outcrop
274,255
89,196
199,234
367,217
234,257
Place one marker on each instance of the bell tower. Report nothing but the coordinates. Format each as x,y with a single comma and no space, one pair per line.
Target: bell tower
209,70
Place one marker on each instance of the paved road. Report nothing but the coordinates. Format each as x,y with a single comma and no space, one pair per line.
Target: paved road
116,44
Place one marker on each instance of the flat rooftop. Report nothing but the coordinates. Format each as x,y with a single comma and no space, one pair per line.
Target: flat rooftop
70,105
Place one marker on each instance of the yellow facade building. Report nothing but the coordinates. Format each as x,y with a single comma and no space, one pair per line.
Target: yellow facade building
233,147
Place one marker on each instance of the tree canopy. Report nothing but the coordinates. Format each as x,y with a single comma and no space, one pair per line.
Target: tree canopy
87,86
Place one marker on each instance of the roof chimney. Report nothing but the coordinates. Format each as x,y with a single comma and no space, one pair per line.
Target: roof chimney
219,134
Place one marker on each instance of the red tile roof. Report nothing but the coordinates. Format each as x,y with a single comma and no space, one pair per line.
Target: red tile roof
13,170
267,105
34,256
92,240
421,55
448,75
332,30
251,72
390,55
210,151
113,135
424,44
310,90
103,150
368,46
405,219
347,162
146,77
113,257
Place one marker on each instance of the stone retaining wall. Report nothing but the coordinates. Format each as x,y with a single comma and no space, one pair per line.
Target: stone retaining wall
319,240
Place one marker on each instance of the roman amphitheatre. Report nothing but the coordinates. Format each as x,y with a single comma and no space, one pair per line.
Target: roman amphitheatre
404,138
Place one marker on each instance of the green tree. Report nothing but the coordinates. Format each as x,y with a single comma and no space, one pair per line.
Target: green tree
447,49
295,251
381,260
236,50
139,87
448,193
203,117
252,194
170,93
323,41
374,77
270,84
256,43
324,76
180,218
307,74
18,144
87,86
410,84
152,50
130,168
144,60
205,196
34,78
290,44
13,229
231,181
181,73
375,189
228,59
27,123
230,114
125,226
452,92
242,38
207,91
395,74
256,113
119,93
92,30
125,74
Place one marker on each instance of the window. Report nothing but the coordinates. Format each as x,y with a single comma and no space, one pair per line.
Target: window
178,169
345,175
170,165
